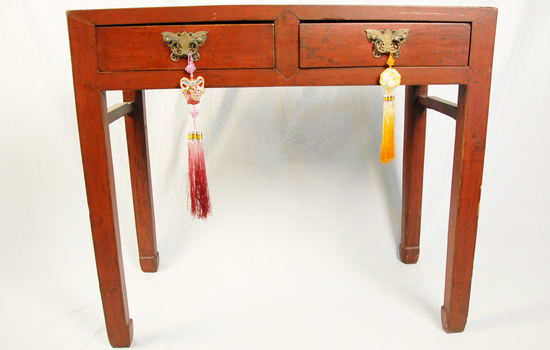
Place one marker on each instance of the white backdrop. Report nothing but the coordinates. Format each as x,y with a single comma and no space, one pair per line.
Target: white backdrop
300,252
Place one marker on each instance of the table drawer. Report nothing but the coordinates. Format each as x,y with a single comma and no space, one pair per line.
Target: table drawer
346,44
142,47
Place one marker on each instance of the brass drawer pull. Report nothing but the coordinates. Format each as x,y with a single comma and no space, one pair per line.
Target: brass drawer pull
386,41
184,43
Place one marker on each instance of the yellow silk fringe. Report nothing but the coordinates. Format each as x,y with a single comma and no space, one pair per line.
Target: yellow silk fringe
387,151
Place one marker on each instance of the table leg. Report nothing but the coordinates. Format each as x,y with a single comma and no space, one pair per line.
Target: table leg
471,128
413,172
138,154
93,128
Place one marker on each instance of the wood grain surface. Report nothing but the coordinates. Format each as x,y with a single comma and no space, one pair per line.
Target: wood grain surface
226,46
346,45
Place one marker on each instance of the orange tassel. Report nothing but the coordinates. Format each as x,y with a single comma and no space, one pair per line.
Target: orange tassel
387,149
389,79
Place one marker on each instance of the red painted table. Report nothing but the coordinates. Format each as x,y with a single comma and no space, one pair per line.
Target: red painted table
313,45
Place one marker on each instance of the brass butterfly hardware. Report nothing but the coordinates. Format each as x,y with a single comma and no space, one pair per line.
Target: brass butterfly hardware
184,43
386,41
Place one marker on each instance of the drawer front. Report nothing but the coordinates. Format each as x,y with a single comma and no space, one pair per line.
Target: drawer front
346,44
226,46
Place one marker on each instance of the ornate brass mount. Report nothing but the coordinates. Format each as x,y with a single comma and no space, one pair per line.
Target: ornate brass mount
386,41
184,43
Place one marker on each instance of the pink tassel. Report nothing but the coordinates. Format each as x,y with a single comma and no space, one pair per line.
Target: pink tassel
199,196
192,193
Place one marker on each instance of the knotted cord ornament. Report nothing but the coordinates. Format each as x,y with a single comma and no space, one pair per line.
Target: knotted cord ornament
389,79
198,193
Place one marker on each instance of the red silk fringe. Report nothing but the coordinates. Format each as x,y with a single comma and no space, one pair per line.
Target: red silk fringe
199,196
